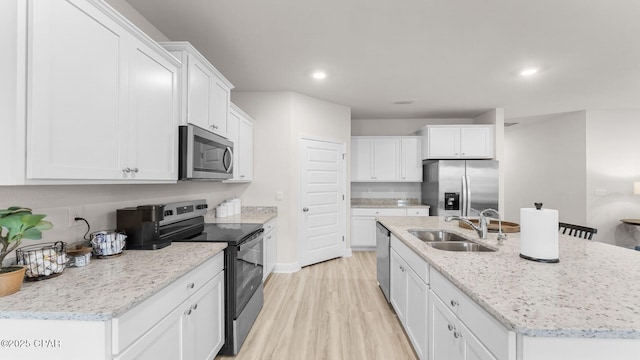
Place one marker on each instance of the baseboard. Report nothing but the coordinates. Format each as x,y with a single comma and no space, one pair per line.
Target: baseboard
363,248
287,268
347,253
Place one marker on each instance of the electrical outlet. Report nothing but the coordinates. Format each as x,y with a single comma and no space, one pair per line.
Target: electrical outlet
75,212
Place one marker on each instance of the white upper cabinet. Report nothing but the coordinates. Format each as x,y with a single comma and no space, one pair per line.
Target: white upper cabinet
386,159
411,166
241,134
205,92
459,142
101,97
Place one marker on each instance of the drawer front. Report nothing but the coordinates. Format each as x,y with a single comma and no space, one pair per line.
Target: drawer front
379,212
269,226
417,211
415,262
492,334
134,323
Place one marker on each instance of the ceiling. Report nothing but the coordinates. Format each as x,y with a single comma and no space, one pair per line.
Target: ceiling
455,58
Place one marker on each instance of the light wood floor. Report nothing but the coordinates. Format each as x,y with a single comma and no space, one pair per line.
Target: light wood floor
332,310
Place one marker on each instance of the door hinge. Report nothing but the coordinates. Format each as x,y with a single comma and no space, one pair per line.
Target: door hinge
342,197
343,154
342,238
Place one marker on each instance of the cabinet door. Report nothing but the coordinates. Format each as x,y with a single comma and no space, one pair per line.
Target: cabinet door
386,159
443,343
220,100
163,341
245,150
443,142
398,277
473,348
411,159
153,116
363,231
199,93
233,135
204,319
270,253
76,120
476,142
361,159
417,313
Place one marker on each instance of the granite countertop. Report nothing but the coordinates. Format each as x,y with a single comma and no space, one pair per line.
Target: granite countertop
248,215
387,203
594,291
106,288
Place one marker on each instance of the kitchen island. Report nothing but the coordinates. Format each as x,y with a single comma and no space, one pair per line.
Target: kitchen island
587,306
111,306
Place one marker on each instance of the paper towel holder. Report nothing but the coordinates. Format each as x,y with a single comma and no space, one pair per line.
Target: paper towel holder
531,253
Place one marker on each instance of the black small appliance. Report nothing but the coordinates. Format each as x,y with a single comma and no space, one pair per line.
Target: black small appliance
142,226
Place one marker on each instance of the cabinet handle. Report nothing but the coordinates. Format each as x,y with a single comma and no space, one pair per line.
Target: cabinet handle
135,170
454,303
187,312
305,209
190,285
451,327
457,334
194,306
126,170
241,176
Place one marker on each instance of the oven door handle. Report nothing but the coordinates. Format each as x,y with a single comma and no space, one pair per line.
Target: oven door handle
249,243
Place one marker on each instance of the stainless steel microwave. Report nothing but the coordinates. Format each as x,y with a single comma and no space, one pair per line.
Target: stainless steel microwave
203,155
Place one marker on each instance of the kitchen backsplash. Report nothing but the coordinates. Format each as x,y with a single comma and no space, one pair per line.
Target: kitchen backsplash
98,203
386,191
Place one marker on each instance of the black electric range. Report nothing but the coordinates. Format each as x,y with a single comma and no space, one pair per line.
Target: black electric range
243,261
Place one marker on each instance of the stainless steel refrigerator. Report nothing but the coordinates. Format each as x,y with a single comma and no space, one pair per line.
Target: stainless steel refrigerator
455,187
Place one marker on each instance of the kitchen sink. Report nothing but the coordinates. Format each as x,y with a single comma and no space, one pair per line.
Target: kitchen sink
466,246
436,235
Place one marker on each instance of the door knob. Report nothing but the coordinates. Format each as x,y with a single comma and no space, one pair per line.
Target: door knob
305,209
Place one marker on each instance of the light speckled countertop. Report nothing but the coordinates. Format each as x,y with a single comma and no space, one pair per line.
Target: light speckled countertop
594,291
249,215
106,288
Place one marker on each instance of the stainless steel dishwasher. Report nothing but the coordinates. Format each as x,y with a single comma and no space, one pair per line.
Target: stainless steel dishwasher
383,238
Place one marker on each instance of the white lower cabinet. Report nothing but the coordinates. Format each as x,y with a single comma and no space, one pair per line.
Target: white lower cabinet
410,296
184,321
449,339
269,248
363,223
460,329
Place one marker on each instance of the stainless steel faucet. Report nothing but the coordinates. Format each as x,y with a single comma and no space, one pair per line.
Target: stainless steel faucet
481,228
501,236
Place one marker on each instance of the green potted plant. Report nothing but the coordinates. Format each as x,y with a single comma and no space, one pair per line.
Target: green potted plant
17,223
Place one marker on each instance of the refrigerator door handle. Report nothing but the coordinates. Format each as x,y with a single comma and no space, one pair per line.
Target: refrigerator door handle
463,201
468,197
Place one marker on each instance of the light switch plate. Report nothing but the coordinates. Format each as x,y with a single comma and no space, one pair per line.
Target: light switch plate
279,195
601,192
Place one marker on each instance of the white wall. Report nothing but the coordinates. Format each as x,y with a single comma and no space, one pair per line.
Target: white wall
281,119
397,127
124,8
545,161
613,164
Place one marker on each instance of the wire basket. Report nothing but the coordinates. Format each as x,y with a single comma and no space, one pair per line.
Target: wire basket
108,243
43,261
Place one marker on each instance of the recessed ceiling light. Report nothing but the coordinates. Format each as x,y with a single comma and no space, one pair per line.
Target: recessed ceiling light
404,102
319,75
528,72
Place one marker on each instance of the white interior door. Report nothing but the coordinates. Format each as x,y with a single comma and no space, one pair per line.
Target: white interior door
322,201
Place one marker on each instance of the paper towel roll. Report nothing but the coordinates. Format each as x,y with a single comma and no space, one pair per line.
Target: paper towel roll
539,235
